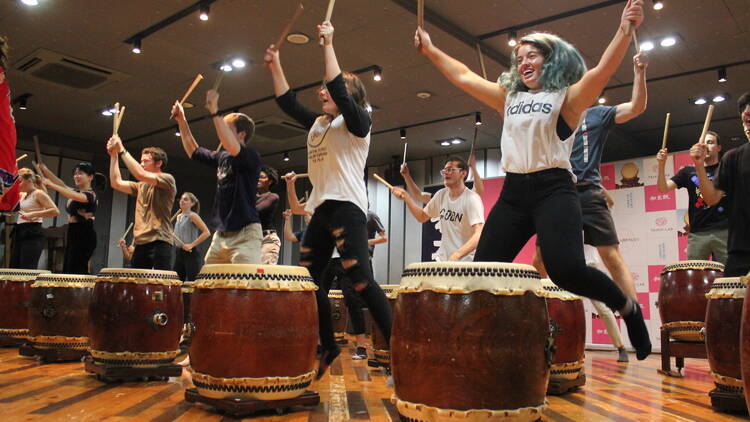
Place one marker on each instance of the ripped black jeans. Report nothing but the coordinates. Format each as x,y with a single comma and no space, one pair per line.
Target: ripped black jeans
343,225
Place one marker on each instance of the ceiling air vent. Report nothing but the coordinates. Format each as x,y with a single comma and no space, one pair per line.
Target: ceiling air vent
70,72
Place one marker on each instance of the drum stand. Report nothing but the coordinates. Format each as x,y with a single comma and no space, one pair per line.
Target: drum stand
728,401
679,350
559,387
127,373
51,355
8,341
243,407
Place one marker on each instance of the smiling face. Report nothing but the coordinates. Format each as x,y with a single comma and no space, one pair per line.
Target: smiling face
529,61
745,115
329,107
186,203
264,182
81,179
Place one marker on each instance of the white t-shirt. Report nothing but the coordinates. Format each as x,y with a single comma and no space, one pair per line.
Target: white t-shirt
336,163
455,218
530,142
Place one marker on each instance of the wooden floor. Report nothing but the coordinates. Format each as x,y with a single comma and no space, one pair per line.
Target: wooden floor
351,391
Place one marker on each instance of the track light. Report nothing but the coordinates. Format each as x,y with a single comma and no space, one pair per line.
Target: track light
403,133
512,38
136,46
22,101
478,119
722,74
658,5
204,10
377,74
286,156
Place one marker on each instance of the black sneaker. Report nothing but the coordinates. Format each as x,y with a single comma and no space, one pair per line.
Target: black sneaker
360,354
326,359
638,332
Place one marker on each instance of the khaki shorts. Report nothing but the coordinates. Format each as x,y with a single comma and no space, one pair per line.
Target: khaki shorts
240,247
269,249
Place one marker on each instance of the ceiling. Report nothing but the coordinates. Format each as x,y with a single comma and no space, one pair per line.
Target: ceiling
368,32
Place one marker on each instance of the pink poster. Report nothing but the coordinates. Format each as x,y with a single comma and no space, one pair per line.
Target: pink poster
657,201
654,277
681,159
599,331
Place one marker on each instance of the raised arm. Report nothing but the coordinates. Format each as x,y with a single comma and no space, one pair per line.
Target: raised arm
133,166
583,93
47,173
639,97
188,140
56,184
470,245
412,187
711,194
490,93
414,209
285,97
291,194
228,141
478,182
115,178
661,179
288,232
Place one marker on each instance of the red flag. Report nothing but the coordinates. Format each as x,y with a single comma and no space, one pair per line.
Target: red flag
7,144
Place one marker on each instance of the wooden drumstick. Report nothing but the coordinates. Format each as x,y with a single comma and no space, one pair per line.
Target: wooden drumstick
127,231
481,61
174,236
666,132
329,12
218,147
114,119
118,119
217,81
420,13
37,150
404,162
288,27
21,157
706,124
301,175
635,41
189,91
381,180
473,141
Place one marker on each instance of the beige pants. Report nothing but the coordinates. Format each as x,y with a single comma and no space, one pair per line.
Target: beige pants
240,247
269,249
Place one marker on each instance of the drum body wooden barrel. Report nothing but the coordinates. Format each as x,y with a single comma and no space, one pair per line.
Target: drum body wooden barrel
470,341
723,320
380,348
682,297
745,344
256,331
135,318
15,298
568,321
59,312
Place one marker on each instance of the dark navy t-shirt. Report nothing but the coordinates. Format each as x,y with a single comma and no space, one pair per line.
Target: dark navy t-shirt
734,179
236,187
589,143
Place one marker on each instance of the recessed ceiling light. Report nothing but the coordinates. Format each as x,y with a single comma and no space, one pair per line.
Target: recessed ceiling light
719,98
298,38
30,2
647,46
700,101
226,67
445,143
238,63
602,100
456,141
658,5
668,41
424,94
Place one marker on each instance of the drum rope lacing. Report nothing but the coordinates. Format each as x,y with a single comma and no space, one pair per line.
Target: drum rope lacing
469,272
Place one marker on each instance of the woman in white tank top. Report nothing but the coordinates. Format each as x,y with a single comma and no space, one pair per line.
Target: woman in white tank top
28,237
541,100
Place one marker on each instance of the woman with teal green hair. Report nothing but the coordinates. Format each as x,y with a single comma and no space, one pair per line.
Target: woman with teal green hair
541,100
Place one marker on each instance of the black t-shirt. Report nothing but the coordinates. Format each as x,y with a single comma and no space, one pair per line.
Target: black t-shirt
236,186
734,180
89,206
374,226
299,234
702,216
266,203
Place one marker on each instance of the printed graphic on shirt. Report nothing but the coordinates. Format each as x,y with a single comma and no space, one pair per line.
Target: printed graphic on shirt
700,202
528,108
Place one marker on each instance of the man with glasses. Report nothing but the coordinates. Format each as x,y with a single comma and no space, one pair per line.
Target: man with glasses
459,211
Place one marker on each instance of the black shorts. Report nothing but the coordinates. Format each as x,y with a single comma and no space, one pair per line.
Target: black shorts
598,226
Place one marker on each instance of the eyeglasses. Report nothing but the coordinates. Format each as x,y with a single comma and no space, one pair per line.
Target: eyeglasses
449,170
